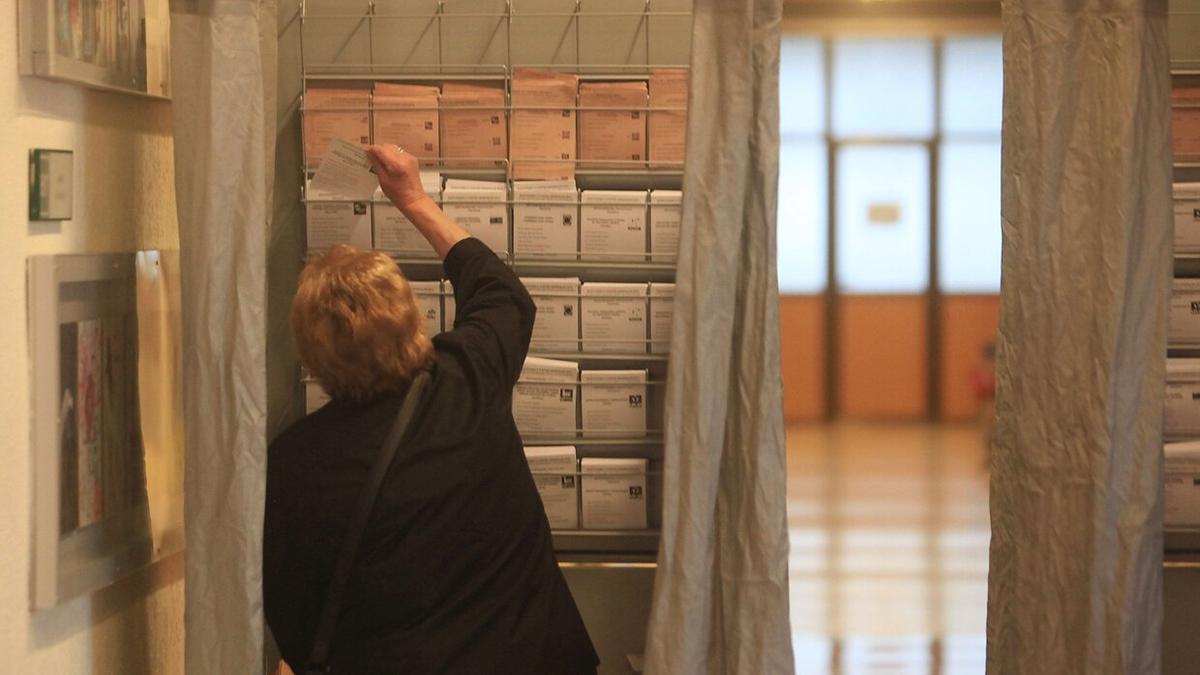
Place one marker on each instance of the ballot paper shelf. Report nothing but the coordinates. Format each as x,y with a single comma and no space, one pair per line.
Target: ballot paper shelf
602,359
1182,349
607,541
1187,265
479,61
1185,540
597,271
612,446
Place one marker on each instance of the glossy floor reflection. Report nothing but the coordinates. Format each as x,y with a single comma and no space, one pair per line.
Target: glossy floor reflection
889,537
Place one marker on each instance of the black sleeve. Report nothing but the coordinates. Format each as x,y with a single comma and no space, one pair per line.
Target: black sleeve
494,320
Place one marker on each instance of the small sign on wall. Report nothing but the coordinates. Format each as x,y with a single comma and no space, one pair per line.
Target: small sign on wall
883,213
51,184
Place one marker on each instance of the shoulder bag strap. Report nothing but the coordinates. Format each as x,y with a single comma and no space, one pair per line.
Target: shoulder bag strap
322,641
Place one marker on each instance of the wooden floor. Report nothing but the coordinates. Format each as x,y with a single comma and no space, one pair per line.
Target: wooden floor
889,536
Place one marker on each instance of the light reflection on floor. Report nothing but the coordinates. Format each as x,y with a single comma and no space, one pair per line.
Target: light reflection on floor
889,536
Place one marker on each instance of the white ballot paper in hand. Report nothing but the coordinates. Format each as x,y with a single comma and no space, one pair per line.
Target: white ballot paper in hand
345,172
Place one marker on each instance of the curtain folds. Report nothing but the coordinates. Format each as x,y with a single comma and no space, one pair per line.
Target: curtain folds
1076,559
224,79
721,593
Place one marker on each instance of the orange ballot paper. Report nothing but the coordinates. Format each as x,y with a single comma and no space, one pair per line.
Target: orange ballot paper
331,114
668,128
407,115
543,124
472,125
612,123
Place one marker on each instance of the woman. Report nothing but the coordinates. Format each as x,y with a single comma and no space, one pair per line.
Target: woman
456,570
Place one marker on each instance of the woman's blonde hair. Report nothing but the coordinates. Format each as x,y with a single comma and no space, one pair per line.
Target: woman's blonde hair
357,324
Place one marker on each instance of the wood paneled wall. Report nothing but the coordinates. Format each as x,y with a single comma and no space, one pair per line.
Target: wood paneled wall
883,355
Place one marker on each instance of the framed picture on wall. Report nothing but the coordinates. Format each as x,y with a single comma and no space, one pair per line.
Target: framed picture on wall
119,45
107,431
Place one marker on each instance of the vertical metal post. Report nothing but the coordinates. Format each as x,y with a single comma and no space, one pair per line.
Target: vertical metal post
646,32
934,292
441,11
508,16
303,98
578,30
832,351
936,459
371,35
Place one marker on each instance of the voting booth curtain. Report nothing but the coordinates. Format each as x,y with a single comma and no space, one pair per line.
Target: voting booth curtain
1076,501
223,75
721,592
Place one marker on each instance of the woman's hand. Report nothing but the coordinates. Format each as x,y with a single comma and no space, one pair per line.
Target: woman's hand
399,175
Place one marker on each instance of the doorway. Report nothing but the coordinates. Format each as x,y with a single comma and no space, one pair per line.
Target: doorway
889,233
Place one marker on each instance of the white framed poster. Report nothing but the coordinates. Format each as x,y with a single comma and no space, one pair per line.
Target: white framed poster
118,45
107,418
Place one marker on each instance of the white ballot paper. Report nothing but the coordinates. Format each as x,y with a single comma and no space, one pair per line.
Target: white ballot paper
546,218
429,300
614,403
481,208
394,233
449,305
613,493
1184,319
665,216
345,173
1182,484
554,473
556,328
613,317
662,315
544,398
331,220
612,225
1181,417
1187,217
314,396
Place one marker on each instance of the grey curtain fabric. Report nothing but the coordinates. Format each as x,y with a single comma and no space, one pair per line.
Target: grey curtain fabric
223,72
1076,573
721,593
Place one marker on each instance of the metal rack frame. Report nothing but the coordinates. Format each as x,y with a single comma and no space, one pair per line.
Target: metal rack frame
361,33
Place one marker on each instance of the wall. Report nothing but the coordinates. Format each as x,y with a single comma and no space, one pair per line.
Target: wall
881,370
124,200
969,323
802,356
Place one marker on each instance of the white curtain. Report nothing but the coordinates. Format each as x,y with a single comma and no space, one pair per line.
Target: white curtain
223,78
721,592
1076,560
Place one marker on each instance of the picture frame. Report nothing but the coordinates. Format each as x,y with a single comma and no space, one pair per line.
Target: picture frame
107,436
115,45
